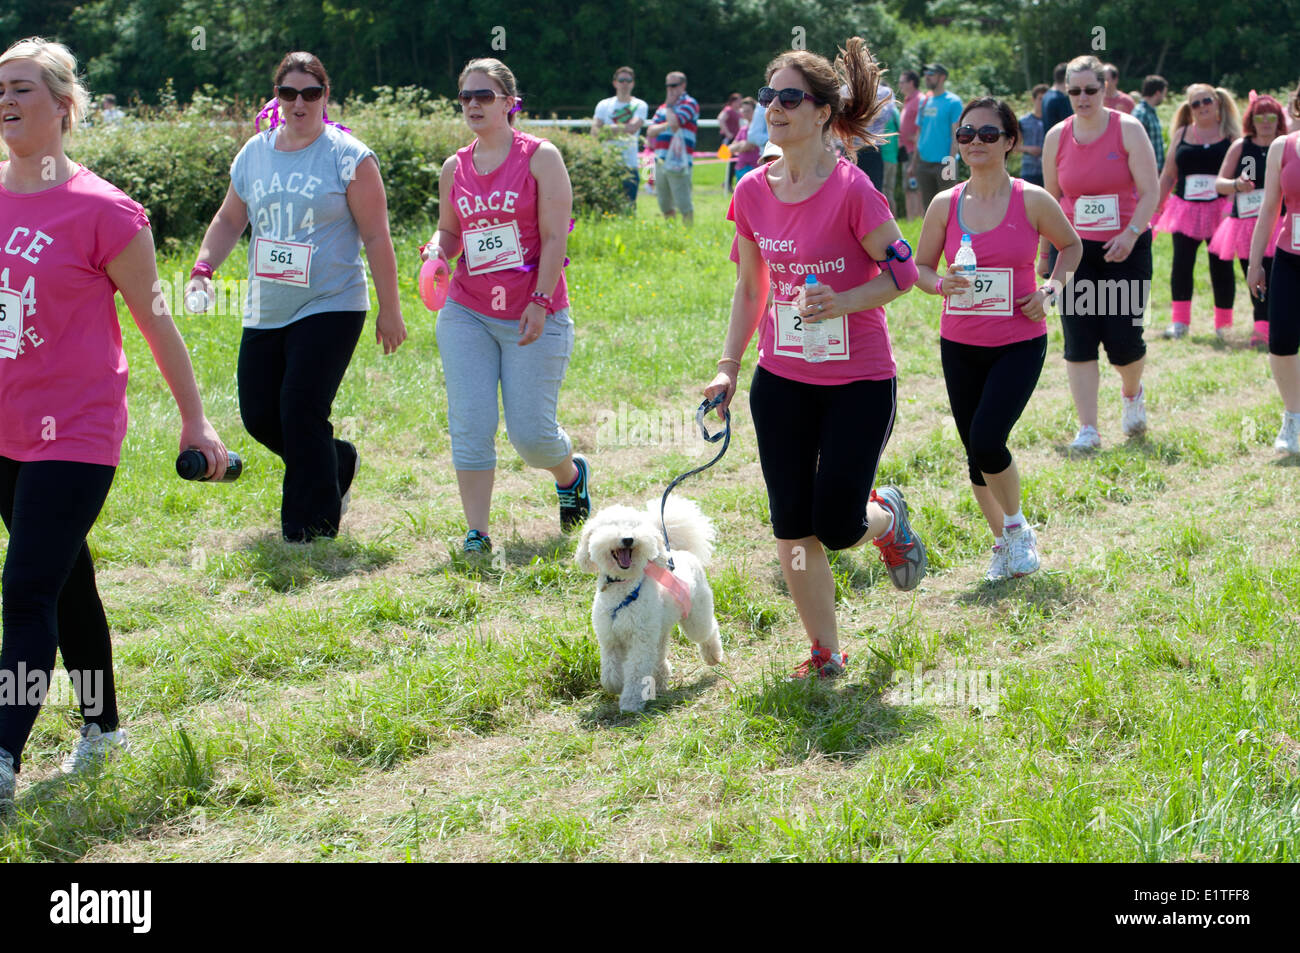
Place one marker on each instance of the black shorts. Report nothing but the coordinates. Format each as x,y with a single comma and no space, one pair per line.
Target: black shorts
819,446
1284,304
1105,303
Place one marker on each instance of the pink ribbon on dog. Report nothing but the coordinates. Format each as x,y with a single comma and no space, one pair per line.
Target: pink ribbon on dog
674,586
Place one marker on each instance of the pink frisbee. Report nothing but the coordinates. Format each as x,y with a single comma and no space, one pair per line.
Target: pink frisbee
434,282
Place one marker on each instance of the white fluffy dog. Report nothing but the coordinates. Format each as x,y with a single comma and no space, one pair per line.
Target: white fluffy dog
638,601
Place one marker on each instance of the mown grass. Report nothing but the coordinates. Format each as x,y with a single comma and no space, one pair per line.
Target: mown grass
380,697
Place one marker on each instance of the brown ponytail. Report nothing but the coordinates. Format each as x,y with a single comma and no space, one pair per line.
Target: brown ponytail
854,69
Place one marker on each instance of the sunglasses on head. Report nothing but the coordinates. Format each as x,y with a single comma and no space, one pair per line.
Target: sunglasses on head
486,96
309,95
1081,90
789,98
1198,103
990,134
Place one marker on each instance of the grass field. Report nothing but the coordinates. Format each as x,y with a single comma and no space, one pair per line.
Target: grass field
376,697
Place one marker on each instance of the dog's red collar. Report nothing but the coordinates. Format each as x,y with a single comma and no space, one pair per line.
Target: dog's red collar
674,586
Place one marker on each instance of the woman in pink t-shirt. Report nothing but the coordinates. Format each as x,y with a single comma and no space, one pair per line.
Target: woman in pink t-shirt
506,210
68,242
821,425
993,345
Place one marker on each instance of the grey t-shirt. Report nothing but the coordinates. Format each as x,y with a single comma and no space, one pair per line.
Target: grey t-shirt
304,254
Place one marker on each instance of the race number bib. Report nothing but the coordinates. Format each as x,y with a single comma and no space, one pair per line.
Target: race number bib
493,248
1200,188
1295,230
992,295
1249,203
285,263
1096,212
789,333
11,322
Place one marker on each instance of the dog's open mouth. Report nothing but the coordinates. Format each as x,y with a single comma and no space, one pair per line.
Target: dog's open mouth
623,556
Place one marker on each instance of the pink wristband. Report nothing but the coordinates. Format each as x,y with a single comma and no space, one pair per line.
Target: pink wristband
201,269
938,287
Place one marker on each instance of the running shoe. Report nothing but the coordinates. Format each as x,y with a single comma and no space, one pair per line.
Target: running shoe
575,499
900,549
94,748
346,500
998,564
1221,334
1086,439
1259,341
1135,414
1288,438
822,662
1175,331
476,542
8,782
1021,544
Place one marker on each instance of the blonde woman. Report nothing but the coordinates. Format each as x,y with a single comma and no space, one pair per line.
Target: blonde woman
72,241
1204,128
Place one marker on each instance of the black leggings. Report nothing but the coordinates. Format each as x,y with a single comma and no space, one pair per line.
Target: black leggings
287,381
1222,279
50,599
988,390
1284,305
1261,307
819,446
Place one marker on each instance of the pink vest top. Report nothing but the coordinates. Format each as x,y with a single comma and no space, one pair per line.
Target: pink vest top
498,224
1004,259
1290,184
1098,171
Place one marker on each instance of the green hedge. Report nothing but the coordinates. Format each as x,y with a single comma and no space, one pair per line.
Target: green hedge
176,162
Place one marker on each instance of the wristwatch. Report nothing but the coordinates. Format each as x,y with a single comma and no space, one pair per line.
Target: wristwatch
1134,229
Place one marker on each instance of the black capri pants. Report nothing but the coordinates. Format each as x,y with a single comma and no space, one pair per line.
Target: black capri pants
1182,275
1284,305
988,389
819,446
1104,305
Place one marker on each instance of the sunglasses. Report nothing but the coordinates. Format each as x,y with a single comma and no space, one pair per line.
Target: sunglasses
789,98
309,95
623,79
672,85
1198,103
485,96
990,134
1082,90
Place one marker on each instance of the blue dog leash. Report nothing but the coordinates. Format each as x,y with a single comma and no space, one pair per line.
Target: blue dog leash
723,435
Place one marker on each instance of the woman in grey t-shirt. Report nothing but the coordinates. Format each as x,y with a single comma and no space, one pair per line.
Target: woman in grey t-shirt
314,196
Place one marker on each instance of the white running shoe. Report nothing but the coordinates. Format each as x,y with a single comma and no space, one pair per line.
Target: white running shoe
1176,330
1288,438
1022,550
1135,414
8,782
1086,439
998,565
94,748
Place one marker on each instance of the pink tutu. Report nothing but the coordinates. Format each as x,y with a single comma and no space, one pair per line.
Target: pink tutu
1233,236
1193,219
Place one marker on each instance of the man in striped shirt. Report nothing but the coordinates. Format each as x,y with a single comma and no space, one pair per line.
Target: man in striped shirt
678,113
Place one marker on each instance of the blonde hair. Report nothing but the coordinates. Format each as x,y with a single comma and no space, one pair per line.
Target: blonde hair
1229,115
1085,64
58,70
497,71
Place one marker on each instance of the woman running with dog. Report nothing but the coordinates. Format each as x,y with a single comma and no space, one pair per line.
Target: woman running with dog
1281,186
507,204
70,241
993,345
821,425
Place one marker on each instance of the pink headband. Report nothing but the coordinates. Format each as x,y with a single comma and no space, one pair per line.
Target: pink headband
271,113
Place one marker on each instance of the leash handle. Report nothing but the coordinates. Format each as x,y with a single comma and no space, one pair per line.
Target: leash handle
705,406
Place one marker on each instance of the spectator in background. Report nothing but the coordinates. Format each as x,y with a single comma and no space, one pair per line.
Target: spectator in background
870,159
1153,94
889,155
108,111
729,128
1031,139
1114,98
745,153
625,114
909,84
1056,104
679,113
937,141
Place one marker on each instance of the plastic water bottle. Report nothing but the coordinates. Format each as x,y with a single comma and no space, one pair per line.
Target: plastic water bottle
964,265
816,338
192,465
197,301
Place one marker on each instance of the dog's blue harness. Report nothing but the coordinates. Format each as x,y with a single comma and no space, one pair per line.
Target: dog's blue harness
627,600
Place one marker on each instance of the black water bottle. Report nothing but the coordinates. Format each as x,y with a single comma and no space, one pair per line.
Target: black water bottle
192,465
